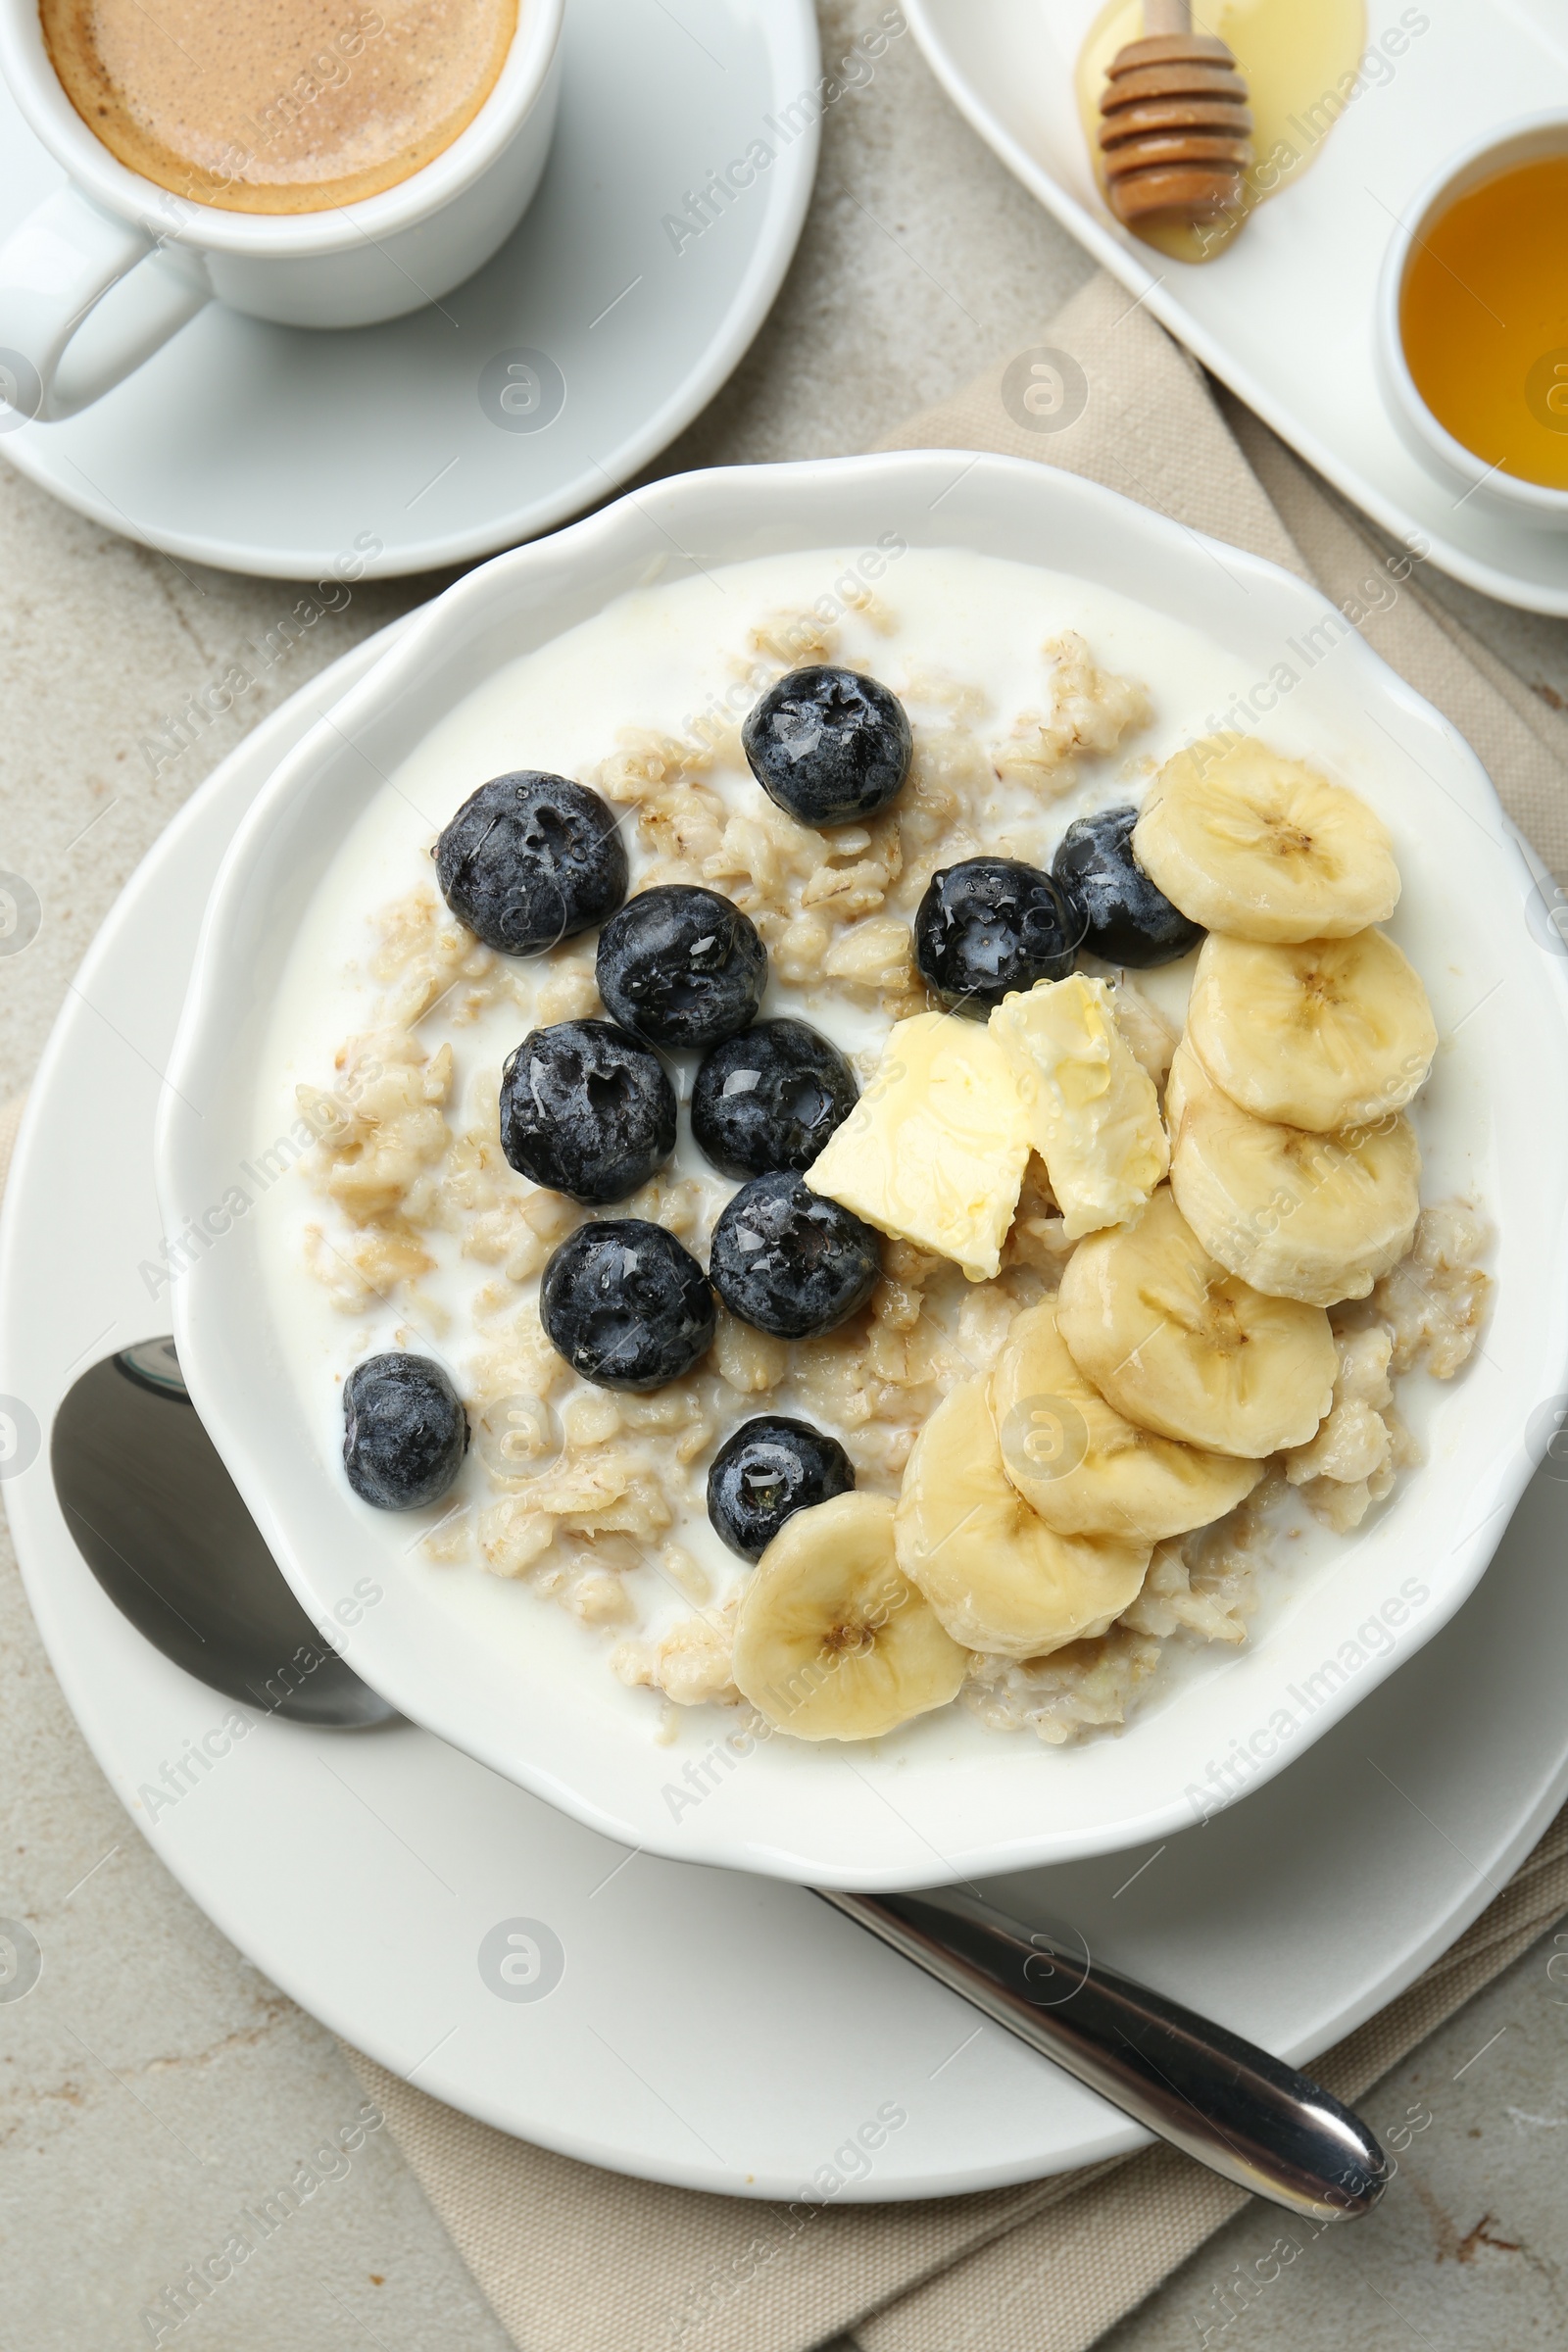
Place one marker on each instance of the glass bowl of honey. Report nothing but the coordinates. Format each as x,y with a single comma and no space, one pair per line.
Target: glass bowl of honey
1473,322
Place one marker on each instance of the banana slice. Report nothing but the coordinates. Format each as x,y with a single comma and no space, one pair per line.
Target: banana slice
832,1639
998,1577
1184,1076
1250,842
1299,1215
1086,1470
1327,1034
1185,1348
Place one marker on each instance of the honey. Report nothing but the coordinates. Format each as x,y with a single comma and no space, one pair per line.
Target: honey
1484,319
1303,62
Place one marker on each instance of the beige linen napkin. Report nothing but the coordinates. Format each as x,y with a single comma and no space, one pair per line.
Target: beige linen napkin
581,2260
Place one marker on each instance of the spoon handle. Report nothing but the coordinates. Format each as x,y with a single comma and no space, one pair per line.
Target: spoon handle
1243,2112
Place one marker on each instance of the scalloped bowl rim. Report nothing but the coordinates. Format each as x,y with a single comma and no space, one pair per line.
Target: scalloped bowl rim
906,1813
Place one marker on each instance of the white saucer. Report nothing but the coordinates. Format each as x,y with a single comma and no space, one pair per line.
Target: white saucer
275,450
718,2030
1285,317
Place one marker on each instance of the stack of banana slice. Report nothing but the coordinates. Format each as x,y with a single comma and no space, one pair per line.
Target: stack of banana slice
1188,1341
1308,1031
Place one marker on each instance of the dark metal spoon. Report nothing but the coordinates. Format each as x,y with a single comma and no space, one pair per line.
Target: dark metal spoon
1235,2107
161,1524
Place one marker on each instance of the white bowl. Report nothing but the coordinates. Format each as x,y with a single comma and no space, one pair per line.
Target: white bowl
1468,475
942,1799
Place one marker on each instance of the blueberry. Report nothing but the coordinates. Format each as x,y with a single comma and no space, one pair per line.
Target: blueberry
586,1111
681,967
789,1261
770,1099
531,859
768,1469
1129,921
626,1305
405,1431
992,925
828,745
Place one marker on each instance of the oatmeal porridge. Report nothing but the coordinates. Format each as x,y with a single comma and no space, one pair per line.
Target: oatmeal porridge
790,1327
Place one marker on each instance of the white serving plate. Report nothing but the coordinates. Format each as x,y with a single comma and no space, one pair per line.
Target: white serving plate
1287,315
366,454
941,1799
368,1895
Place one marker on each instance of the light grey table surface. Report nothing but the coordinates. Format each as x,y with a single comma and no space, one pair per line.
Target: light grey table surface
921,260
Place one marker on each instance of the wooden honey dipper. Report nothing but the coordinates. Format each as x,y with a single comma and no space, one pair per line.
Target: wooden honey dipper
1175,127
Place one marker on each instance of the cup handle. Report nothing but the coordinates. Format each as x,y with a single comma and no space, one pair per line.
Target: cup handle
54,272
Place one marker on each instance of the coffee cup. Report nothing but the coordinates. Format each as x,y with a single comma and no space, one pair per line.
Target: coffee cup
163,256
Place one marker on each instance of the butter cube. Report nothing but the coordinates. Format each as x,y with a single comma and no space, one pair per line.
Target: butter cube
1094,1115
934,1152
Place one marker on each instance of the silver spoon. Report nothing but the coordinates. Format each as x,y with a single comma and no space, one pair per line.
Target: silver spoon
1244,2113
162,1526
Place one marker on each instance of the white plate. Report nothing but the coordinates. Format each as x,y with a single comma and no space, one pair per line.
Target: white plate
1286,315
275,450
363,1873
520,1687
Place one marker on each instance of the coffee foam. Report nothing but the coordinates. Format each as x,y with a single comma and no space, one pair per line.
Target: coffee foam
278,106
